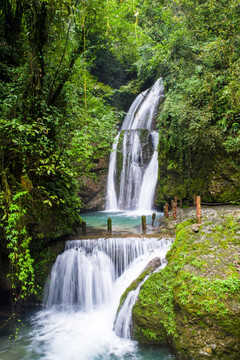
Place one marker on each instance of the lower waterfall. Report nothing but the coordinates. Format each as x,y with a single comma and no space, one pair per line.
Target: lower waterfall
82,297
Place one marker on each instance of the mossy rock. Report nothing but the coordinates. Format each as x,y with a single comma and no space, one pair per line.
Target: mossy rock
119,161
148,316
194,302
146,326
147,145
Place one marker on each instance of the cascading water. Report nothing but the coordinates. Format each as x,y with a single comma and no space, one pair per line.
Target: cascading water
123,321
82,297
77,279
84,274
122,325
133,166
81,301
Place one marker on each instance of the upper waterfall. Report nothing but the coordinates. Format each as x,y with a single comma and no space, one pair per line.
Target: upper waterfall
133,166
144,108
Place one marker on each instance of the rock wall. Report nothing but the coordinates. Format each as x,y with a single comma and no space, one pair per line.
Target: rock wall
218,181
93,192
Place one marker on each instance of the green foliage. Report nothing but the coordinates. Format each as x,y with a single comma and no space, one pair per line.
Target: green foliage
55,117
194,46
14,222
149,334
56,120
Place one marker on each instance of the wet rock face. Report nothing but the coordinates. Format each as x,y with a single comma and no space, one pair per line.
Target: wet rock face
225,185
93,192
152,265
147,145
194,302
218,180
201,338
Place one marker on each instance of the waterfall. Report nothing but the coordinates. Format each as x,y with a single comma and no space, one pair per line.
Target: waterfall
133,166
81,299
77,279
83,276
149,181
111,197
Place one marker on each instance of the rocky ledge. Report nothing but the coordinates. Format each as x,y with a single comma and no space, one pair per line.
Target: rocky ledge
193,304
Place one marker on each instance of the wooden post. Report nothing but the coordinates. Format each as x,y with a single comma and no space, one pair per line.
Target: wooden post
109,225
166,210
84,228
174,210
153,218
198,201
180,203
144,225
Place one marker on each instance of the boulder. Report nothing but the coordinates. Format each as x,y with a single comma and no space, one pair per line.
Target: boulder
194,302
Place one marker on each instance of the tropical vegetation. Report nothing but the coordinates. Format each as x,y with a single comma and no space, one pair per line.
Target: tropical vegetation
69,70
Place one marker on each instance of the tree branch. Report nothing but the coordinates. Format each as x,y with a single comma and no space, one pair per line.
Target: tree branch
74,57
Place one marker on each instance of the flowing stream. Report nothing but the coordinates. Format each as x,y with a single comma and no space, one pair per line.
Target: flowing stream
81,300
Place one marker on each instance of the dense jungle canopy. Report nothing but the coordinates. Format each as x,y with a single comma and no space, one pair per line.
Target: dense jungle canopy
69,69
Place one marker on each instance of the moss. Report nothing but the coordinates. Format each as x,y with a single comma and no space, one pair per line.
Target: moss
217,180
45,258
184,224
148,317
